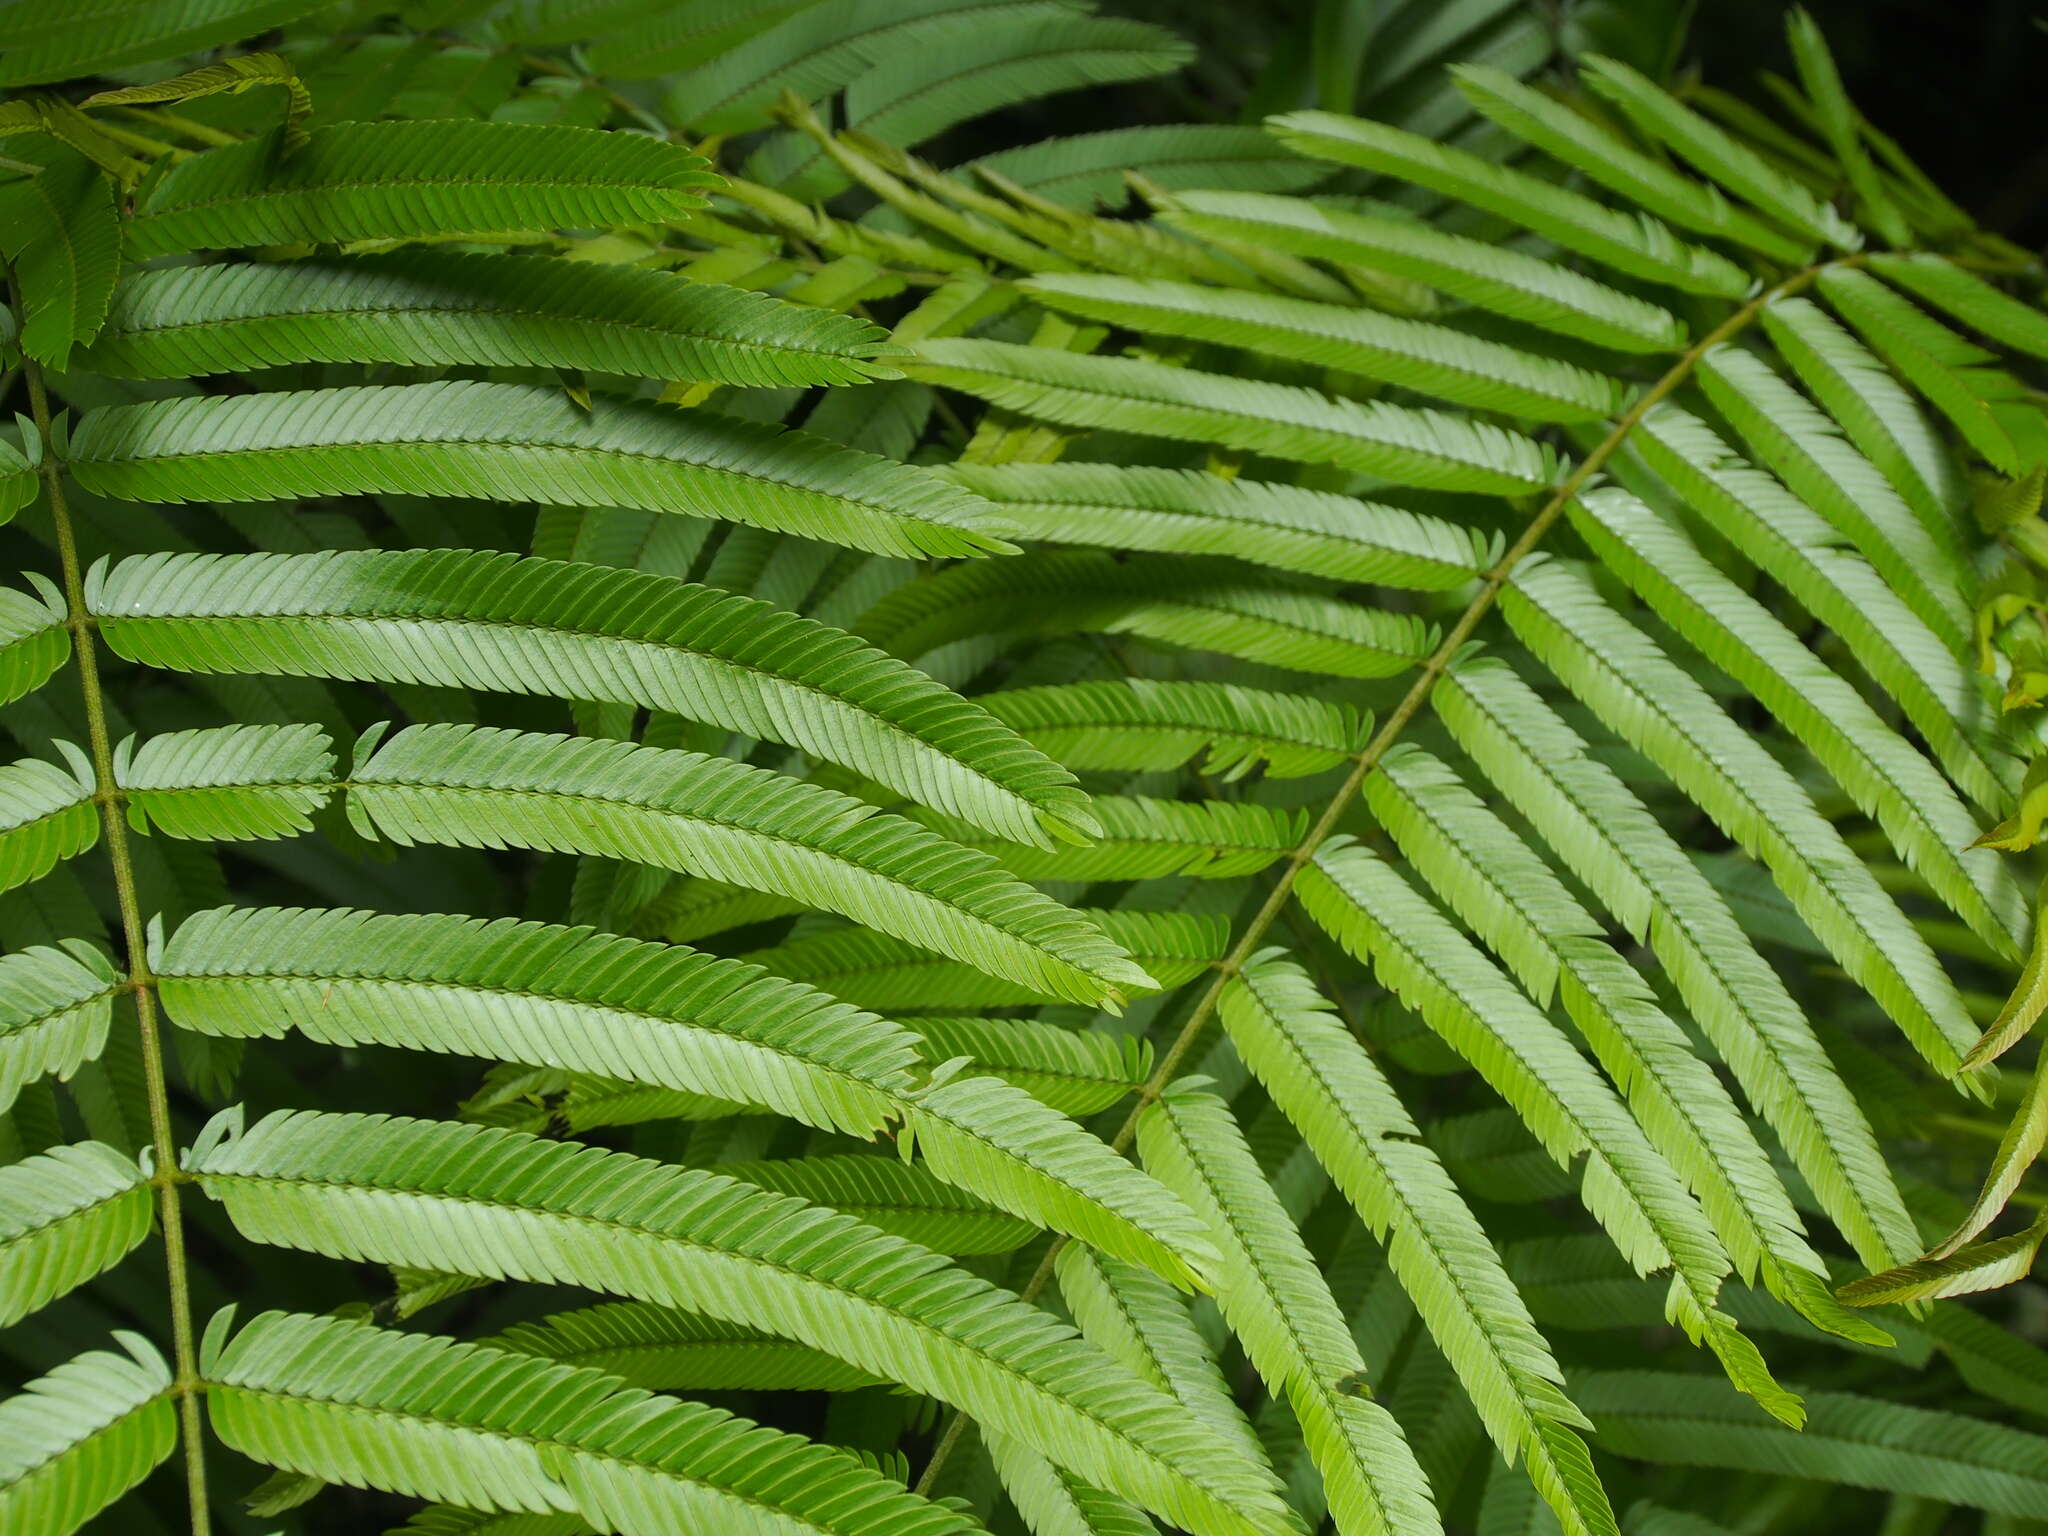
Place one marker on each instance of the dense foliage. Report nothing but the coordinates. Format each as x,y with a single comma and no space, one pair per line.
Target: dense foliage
1240,828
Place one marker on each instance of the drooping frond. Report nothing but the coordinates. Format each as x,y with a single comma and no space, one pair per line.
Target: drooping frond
1183,512
1896,786
1934,360
503,623
1660,896
1909,658
76,1439
1377,915
402,181
1347,1113
56,1006
1513,901
521,443
551,997
1802,444
485,788
1276,1302
1873,409
494,1429
1286,421
65,1216
444,1196
434,307
1662,712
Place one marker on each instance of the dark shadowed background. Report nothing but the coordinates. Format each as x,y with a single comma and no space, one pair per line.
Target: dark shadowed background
1962,84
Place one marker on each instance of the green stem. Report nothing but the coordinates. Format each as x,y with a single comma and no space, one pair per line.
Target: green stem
203,133
1364,762
134,934
128,138
2030,537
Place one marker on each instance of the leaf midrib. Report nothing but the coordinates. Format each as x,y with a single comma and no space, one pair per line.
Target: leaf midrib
634,328
482,989
458,623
